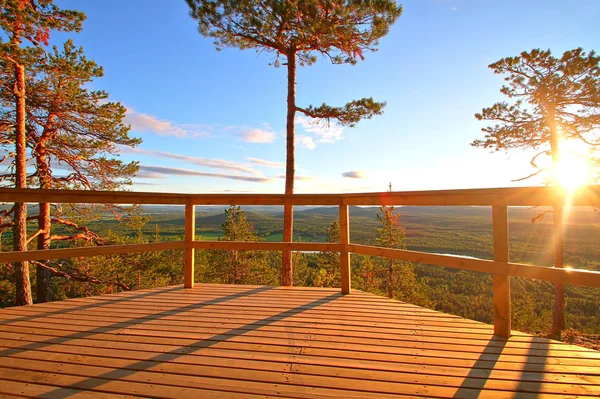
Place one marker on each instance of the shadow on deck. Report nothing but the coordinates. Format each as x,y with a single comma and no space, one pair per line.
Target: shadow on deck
249,342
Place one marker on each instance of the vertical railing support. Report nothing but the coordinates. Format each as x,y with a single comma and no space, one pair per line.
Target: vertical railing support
190,232
558,311
501,284
344,254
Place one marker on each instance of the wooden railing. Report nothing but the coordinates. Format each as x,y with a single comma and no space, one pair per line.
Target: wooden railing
499,199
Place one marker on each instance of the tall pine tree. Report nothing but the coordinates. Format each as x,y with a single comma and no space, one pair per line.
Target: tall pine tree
72,134
551,101
297,31
27,24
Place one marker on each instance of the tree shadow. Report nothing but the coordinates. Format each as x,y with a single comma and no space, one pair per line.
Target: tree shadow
94,382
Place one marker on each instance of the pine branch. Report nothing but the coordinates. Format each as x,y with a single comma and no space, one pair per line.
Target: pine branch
531,175
85,234
37,233
75,275
349,114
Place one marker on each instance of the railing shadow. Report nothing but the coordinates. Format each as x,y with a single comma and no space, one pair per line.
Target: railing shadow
119,325
96,381
90,306
474,383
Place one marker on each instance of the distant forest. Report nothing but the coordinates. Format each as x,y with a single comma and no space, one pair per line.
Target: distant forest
463,231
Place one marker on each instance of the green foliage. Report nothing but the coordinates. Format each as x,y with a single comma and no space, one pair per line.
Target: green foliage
349,115
327,272
341,30
69,124
238,266
550,99
32,20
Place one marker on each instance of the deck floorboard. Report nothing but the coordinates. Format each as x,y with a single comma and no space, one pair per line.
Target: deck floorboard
226,341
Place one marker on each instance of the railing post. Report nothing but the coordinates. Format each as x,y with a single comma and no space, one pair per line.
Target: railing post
190,232
344,254
501,285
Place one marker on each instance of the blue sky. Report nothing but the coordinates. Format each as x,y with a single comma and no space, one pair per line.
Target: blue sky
215,121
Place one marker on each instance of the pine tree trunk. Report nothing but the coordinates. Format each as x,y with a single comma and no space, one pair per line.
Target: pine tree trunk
558,313
43,275
22,282
390,278
287,272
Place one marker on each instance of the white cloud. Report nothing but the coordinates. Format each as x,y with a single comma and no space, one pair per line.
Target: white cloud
355,174
268,164
325,132
206,162
305,141
258,136
145,123
163,170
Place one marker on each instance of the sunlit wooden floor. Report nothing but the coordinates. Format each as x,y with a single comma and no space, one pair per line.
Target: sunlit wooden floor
223,341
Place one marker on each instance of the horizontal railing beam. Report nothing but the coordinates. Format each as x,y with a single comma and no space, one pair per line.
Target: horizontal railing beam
517,196
581,277
66,253
269,246
126,197
568,276
478,265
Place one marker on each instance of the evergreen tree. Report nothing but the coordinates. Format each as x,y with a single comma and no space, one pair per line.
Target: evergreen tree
72,134
298,31
234,266
400,274
329,262
26,22
552,101
78,131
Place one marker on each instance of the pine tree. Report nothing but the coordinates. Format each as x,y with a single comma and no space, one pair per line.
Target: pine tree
26,21
236,266
297,31
78,130
401,278
72,135
553,101
329,262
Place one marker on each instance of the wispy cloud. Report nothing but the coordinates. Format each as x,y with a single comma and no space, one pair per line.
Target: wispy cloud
258,136
299,178
268,164
355,174
206,162
163,170
324,132
148,175
145,123
139,183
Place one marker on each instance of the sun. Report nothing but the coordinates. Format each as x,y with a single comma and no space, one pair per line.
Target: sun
572,171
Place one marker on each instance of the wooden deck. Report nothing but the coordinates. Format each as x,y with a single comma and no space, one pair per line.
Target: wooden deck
223,341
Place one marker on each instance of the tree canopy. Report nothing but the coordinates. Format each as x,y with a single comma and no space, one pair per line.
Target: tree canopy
298,31
550,100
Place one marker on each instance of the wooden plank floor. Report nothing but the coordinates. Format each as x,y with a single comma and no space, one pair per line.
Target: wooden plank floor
224,341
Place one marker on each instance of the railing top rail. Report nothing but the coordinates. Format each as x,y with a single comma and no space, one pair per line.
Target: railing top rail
507,196
513,196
